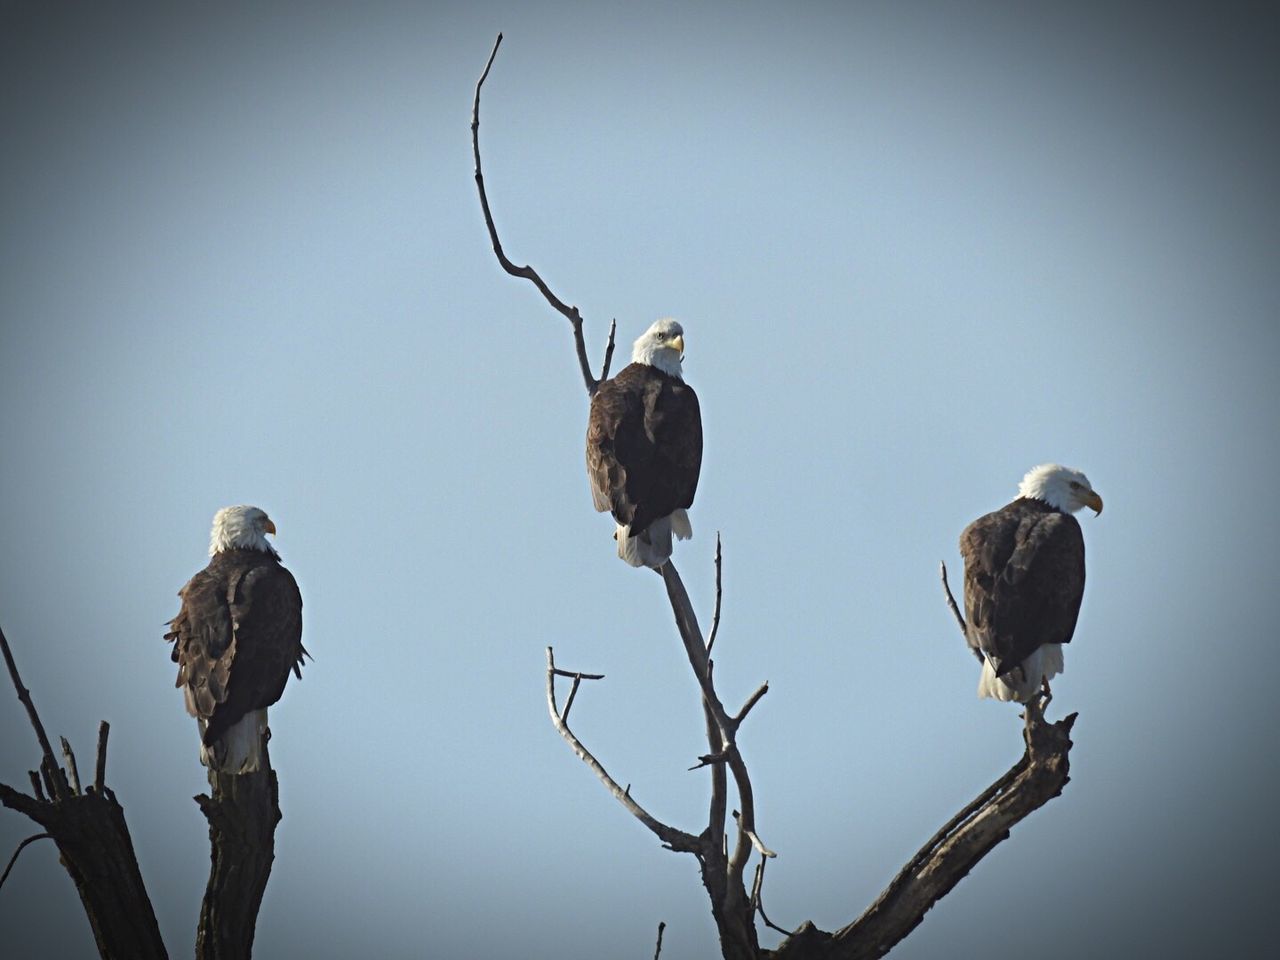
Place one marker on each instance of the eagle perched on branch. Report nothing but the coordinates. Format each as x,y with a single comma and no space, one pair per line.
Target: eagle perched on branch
1024,580
644,447
236,638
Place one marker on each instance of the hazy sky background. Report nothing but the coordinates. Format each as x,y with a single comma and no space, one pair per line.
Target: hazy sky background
917,249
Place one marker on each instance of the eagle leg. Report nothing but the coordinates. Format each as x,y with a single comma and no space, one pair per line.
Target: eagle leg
1033,712
1046,695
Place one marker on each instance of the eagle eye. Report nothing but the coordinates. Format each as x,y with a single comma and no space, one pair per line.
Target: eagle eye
1075,485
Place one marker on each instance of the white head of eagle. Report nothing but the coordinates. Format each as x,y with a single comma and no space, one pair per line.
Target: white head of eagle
1060,487
661,346
241,527
644,447
1024,581
236,639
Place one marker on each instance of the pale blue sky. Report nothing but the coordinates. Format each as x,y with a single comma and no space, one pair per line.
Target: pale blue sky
917,249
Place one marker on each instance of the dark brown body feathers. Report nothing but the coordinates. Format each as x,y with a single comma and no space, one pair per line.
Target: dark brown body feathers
237,637
644,446
1023,580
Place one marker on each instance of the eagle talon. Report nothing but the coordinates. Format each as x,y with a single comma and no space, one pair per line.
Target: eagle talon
1046,695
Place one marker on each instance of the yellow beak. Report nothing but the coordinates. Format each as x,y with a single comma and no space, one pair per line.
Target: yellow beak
677,344
1093,502
268,526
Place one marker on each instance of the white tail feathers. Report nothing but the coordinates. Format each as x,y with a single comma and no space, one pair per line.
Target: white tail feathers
1022,682
652,548
239,750
680,525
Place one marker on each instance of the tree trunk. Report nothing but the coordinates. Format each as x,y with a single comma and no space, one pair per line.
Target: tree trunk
242,814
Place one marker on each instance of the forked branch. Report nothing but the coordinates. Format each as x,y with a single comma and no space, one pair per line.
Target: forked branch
527,272
953,851
671,837
948,856
92,839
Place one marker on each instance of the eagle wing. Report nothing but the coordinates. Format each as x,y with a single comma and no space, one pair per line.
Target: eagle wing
1023,583
235,639
644,446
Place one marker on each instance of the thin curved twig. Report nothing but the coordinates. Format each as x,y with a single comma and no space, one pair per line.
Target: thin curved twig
674,838
951,600
22,846
757,900
527,272
955,610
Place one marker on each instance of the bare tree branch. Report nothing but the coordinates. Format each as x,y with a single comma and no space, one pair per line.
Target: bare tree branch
526,272
608,353
741,715
694,645
93,844
729,902
95,847
573,692
100,767
755,840
955,610
953,851
24,695
22,846
657,952
73,773
757,899
577,673
675,839
715,615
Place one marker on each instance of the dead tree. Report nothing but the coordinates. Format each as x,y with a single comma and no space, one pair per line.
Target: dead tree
937,867
88,826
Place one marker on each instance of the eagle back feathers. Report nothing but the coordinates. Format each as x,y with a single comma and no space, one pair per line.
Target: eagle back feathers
644,446
1023,580
236,637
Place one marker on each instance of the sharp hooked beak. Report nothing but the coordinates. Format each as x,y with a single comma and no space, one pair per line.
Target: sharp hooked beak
269,527
1093,502
677,344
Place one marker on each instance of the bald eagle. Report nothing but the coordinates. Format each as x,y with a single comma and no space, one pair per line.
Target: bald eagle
236,638
1024,580
644,448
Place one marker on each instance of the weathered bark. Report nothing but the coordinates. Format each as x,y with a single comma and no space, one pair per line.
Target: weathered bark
242,814
732,911
97,851
731,908
950,854
92,837
89,828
